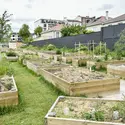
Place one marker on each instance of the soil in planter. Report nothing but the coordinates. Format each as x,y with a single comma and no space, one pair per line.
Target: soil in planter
47,63
107,111
73,74
6,84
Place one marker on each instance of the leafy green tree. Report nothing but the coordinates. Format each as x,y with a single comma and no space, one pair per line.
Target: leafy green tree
5,28
25,33
120,44
74,30
38,31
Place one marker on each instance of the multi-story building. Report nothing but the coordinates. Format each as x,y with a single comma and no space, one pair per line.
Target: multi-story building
47,24
15,37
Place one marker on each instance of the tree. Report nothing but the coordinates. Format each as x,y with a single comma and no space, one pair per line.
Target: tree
120,44
5,28
25,33
38,31
74,30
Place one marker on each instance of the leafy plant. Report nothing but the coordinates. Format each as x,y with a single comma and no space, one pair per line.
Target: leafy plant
51,47
11,53
99,115
38,31
87,116
5,28
58,51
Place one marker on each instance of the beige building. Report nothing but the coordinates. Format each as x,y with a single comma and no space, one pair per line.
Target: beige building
54,32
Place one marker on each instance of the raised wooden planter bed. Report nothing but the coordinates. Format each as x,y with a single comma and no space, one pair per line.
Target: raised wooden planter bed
104,64
69,110
12,58
8,98
29,52
79,62
38,66
67,59
117,69
92,87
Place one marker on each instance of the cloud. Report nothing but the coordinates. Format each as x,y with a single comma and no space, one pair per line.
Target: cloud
29,6
30,1
106,7
18,22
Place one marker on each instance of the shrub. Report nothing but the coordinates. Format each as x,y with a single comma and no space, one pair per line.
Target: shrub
87,116
58,51
11,53
5,68
99,116
51,47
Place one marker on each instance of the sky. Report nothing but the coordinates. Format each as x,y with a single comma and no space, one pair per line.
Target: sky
28,11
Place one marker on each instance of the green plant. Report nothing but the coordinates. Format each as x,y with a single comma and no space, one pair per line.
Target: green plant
5,68
11,53
93,67
99,115
58,51
87,116
106,57
98,60
51,47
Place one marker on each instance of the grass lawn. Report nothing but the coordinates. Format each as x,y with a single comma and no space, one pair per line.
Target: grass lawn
36,98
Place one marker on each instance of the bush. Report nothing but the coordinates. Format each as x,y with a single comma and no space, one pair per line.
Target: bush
99,116
11,54
87,116
51,47
58,51
6,69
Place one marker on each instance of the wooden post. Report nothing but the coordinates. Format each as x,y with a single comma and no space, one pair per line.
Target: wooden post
79,49
100,47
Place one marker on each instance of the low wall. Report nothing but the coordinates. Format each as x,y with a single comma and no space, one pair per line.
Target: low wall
89,87
11,58
51,120
104,64
67,59
9,98
29,52
79,62
112,69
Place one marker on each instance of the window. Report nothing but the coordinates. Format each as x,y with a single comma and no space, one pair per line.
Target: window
44,25
13,35
57,34
13,39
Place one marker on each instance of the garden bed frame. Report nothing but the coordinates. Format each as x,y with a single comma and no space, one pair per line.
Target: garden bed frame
12,58
112,69
103,64
9,98
51,120
38,69
82,88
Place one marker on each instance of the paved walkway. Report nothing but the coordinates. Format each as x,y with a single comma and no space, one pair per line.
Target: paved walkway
118,94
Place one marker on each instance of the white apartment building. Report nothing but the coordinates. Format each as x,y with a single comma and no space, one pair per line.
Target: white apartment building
47,24
15,37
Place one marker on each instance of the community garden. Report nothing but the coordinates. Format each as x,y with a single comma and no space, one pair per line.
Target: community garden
31,78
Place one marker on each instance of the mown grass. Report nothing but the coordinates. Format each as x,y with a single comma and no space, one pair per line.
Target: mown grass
35,95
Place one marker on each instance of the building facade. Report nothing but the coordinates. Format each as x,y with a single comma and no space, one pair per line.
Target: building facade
47,24
15,37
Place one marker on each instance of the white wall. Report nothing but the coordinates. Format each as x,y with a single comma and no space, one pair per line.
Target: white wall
116,23
49,35
95,28
12,45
